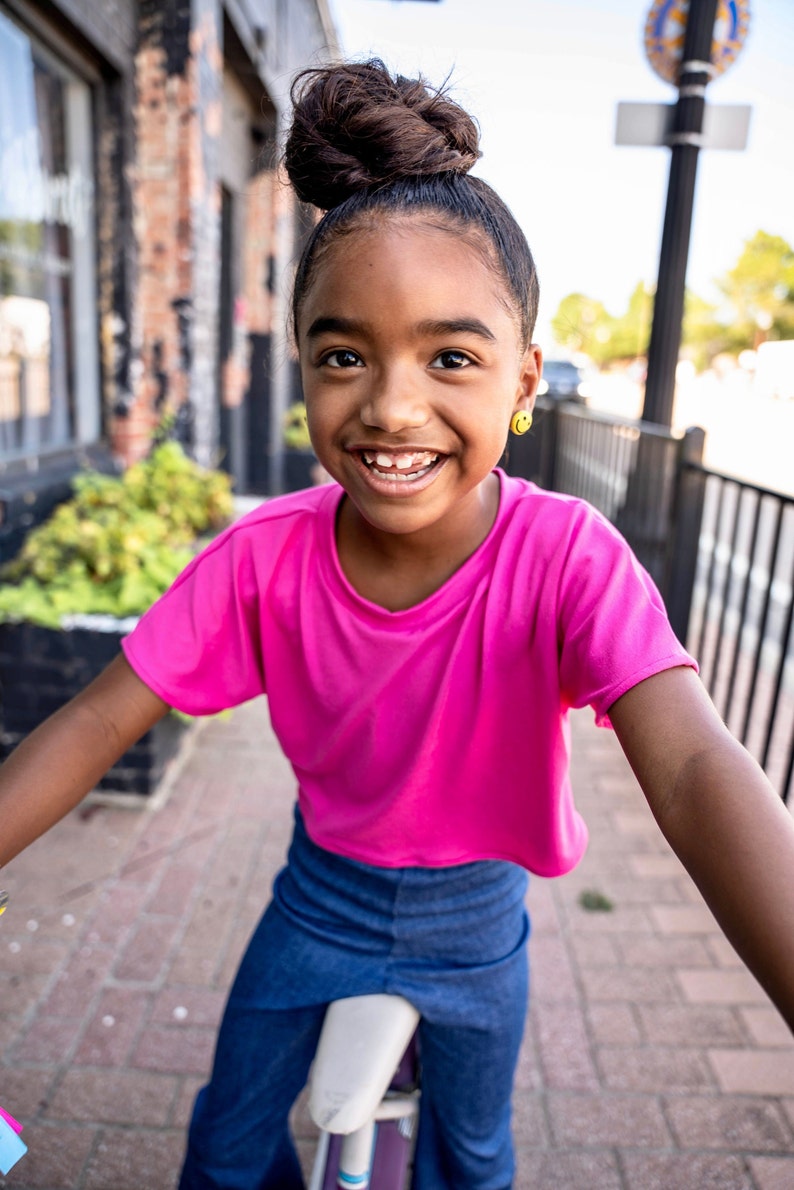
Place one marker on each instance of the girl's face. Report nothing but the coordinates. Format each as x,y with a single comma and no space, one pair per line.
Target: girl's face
412,368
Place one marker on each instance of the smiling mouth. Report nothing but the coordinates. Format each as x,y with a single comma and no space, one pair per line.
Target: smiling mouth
400,467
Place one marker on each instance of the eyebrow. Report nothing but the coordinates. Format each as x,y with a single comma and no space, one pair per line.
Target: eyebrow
335,326
456,326
430,328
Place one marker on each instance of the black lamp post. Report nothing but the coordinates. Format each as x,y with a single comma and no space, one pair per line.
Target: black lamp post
685,140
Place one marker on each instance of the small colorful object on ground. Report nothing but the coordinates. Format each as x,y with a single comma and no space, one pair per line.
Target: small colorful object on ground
12,1147
3,901
9,1119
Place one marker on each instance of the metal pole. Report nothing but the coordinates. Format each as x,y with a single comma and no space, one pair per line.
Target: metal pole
685,142
686,519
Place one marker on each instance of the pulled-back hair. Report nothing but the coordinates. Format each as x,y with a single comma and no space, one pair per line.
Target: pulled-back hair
364,144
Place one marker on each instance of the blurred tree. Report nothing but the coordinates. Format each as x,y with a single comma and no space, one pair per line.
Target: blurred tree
631,332
579,322
584,325
704,336
760,289
759,305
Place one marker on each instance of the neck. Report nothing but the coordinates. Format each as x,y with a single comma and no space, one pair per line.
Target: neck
399,570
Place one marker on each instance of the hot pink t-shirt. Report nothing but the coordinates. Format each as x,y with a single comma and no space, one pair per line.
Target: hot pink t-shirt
434,735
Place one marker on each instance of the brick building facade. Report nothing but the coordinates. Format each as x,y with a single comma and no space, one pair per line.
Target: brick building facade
146,241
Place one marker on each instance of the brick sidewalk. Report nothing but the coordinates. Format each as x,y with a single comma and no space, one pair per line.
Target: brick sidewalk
652,1059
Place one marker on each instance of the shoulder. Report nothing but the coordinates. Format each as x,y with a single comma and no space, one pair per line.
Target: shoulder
563,546
245,555
554,517
274,519
282,511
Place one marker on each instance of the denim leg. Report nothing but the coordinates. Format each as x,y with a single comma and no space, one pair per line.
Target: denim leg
239,1137
465,1140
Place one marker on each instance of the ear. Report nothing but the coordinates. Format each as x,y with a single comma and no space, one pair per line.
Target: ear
528,378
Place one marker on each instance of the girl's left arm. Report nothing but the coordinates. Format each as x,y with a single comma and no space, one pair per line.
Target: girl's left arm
721,816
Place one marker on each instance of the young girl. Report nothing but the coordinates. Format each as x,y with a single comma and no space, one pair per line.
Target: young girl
421,628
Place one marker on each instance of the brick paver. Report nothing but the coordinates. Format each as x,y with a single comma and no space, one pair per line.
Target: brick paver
651,1058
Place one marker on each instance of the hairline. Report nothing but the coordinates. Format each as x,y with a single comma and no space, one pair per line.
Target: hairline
372,208
372,220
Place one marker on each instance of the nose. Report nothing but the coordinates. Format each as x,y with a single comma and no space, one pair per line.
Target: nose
394,402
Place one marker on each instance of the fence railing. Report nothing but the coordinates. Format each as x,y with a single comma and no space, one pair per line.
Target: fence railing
742,616
633,473
720,550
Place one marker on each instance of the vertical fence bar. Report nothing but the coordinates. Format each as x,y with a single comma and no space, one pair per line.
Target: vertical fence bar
762,626
788,780
737,648
727,584
785,642
687,517
712,572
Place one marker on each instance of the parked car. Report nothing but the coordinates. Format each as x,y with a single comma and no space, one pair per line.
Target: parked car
562,381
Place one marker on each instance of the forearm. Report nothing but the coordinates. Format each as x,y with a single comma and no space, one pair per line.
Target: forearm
63,759
736,839
721,816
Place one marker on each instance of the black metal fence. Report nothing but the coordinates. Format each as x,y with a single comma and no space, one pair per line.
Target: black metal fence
720,550
742,613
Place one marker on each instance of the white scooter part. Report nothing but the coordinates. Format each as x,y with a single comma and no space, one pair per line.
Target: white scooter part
362,1041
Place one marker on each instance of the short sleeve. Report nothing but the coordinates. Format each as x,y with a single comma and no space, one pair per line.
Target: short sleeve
613,630
198,646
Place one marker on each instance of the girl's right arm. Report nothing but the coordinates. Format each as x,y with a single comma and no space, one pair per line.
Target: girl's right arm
63,759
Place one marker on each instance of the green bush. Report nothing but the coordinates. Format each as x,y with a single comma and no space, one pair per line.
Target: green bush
118,543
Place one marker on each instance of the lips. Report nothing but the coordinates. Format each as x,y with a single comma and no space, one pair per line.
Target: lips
399,467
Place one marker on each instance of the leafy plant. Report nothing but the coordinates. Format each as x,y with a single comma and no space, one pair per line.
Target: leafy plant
118,543
296,427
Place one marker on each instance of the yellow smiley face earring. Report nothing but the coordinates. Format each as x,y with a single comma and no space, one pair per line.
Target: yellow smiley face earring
520,422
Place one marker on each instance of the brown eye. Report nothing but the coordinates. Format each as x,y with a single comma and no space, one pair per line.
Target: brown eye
450,360
342,358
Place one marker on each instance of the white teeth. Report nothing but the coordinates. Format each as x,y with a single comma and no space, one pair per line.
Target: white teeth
396,477
403,468
403,462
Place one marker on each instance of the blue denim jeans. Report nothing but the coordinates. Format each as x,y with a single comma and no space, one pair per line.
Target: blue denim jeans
451,940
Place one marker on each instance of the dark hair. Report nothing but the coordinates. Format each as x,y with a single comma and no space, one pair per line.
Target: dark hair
364,144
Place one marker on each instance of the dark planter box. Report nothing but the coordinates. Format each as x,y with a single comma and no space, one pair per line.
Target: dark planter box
42,668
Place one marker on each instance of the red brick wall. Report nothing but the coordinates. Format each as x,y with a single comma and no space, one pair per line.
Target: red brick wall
174,178
163,113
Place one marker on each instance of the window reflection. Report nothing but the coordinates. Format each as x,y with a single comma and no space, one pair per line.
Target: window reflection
46,200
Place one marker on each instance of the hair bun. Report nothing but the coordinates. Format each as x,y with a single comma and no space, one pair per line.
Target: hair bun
355,126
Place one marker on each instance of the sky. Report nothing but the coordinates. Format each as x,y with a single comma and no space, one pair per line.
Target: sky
543,79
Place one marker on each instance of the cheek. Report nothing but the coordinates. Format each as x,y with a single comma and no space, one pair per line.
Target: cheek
313,419
321,422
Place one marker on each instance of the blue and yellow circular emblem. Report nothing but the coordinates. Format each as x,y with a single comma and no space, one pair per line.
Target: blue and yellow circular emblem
666,25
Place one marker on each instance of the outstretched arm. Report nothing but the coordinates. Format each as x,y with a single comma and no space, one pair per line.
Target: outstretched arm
58,763
721,816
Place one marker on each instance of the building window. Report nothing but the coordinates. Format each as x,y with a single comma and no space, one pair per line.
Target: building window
49,383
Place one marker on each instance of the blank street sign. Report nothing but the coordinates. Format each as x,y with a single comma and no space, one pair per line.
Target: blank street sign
725,125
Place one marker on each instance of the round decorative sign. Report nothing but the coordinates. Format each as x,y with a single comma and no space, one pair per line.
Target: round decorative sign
664,35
